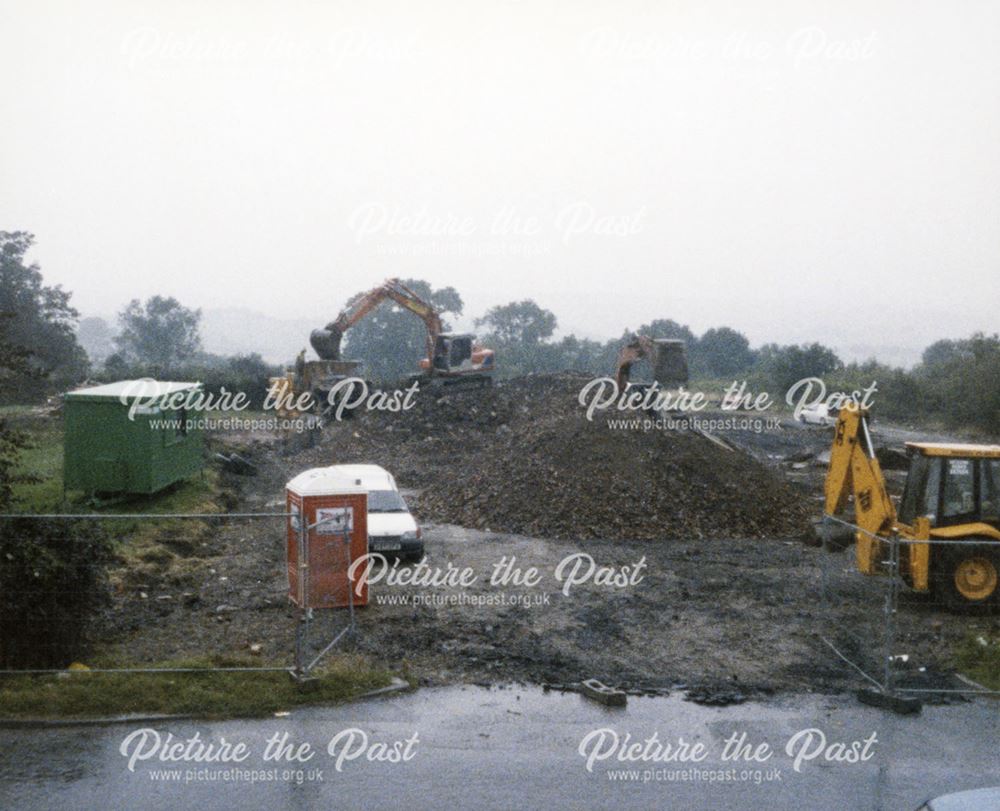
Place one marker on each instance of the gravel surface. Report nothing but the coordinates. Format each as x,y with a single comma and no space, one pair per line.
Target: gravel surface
522,457
718,613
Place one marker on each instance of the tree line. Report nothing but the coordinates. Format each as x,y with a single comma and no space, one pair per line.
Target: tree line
47,348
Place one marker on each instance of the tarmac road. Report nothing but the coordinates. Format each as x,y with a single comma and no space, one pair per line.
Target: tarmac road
518,748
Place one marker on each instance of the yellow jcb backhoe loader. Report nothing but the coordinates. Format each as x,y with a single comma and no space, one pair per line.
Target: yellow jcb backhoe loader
952,494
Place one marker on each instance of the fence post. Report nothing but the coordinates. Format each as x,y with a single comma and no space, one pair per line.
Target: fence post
350,584
301,632
891,598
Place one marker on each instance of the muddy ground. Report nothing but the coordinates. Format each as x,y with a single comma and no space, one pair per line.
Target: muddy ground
720,617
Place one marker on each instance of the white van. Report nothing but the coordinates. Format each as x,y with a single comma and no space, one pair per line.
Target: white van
391,528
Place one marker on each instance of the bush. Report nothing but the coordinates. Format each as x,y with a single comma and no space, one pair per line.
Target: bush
239,373
899,396
53,578
967,385
246,373
783,366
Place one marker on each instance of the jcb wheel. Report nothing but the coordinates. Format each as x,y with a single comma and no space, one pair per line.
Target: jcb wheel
970,578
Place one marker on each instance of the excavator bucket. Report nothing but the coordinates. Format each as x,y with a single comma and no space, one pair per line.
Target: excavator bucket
326,342
669,362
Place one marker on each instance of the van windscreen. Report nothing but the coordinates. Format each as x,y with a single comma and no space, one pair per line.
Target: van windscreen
386,501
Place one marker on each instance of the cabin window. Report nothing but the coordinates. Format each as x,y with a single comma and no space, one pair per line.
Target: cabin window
989,489
932,493
914,500
461,351
959,495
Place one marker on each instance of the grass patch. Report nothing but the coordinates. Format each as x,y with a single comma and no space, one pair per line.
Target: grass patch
146,549
43,460
209,695
980,662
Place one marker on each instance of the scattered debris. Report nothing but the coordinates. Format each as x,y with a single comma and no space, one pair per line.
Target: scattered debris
236,464
714,697
897,704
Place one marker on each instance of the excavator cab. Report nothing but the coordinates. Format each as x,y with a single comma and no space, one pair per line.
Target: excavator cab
451,351
457,358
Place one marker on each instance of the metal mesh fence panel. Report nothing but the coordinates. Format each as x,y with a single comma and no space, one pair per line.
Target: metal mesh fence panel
151,592
904,635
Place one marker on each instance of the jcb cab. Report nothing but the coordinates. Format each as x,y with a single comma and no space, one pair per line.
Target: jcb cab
951,500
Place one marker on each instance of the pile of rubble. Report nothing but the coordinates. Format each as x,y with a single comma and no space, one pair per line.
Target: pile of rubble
522,457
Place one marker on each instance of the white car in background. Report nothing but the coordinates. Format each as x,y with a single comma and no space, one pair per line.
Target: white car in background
818,414
392,530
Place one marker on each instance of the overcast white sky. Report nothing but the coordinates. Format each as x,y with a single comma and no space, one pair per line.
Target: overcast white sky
796,170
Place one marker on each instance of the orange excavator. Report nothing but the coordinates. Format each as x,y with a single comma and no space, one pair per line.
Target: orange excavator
450,356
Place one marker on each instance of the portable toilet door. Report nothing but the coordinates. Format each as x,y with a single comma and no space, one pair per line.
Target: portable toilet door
327,534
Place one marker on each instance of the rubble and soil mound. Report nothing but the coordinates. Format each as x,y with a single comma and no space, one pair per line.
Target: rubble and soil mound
522,457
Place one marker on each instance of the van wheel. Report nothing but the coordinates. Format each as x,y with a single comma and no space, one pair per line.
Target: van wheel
970,578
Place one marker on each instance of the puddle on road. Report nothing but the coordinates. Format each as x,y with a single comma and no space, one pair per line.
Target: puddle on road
468,706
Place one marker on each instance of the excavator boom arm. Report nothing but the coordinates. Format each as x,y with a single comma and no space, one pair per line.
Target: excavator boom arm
854,471
636,349
326,341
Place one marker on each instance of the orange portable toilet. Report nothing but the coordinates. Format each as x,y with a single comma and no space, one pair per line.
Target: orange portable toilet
327,532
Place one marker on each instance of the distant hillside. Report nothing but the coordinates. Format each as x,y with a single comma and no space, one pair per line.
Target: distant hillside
239,332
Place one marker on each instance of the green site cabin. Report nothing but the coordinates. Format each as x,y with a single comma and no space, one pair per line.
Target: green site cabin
118,438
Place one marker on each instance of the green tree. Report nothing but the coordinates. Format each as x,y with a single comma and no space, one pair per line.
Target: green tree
585,355
52,573
391,341
944,352
161,333
518,323
666,328
783,366
721,352
40,319
519,333
14,370
966,388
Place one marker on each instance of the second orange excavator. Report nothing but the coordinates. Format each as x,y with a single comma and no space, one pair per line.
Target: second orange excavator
667,358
